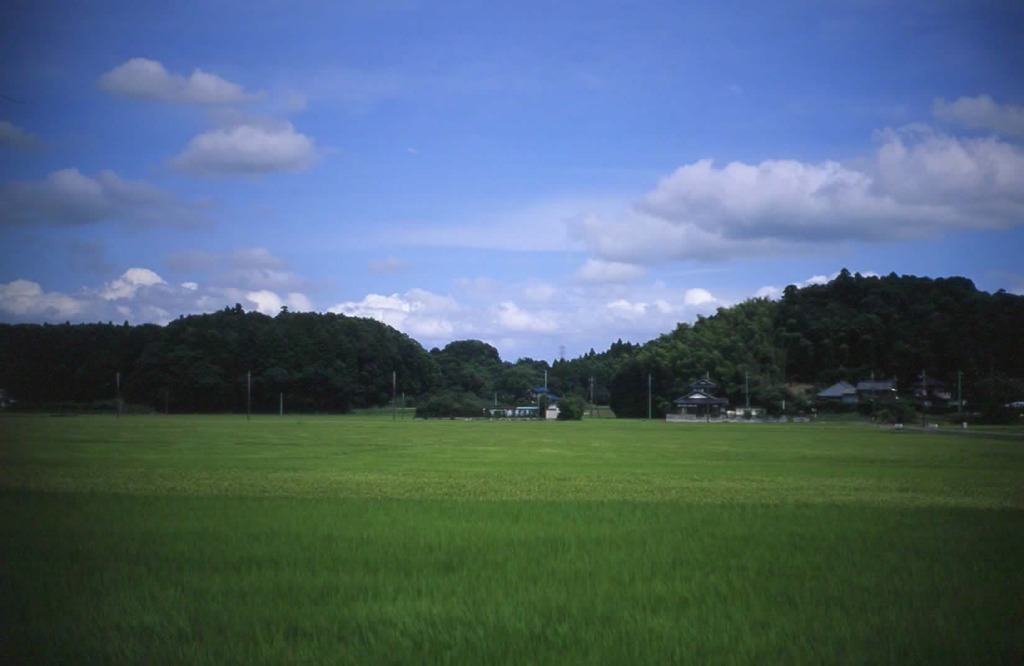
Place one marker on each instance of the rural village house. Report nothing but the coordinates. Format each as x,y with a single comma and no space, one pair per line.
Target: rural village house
700,401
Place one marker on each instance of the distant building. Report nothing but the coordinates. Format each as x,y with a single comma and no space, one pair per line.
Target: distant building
700,402
536,393
840,393
930,392
877,390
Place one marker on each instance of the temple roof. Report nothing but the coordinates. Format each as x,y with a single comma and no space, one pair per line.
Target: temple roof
699,398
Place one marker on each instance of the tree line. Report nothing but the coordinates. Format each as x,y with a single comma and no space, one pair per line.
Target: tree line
852,328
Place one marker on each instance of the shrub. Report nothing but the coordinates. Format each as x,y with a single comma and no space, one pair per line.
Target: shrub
571,408
451,404
897,411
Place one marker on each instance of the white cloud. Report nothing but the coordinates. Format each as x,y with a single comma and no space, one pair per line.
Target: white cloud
248,149
269,303
982,113
191,286
698,296
70,197
25,298
919,184
417,313
513,318
142,78
537,291
771,293
623,309
13,136
598,271
126,286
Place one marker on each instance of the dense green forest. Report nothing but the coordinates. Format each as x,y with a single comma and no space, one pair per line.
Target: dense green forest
852,328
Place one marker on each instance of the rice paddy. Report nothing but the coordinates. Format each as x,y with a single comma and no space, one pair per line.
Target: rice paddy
362,540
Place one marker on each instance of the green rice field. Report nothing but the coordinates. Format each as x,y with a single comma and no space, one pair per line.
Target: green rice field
213,539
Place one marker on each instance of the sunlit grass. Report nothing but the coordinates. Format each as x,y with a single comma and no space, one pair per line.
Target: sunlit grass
214,539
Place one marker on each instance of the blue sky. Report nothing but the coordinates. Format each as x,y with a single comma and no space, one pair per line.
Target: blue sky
537,175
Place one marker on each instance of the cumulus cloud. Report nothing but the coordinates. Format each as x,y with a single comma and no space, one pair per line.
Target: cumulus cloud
982,113
513,318
23,298
537,291
139,295
141,78
13,136
126,286
418,312
698,296
623,309
270,303
773,293
599,271
70,197
769,292
919,183
248,149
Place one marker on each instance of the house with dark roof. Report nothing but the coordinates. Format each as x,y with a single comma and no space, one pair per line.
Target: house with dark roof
841,393
700,401
929,392
877,390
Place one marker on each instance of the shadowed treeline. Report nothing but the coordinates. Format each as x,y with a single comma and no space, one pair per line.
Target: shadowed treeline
851,328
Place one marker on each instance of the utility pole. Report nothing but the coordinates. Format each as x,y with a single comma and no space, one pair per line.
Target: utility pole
959,395
117,380
280,405
746,388
248,395
591,395
648,396
924,401
394,395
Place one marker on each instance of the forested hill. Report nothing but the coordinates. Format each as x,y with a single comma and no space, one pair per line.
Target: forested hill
852,328
323,362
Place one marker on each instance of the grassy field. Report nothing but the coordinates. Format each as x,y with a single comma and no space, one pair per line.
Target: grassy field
362,540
